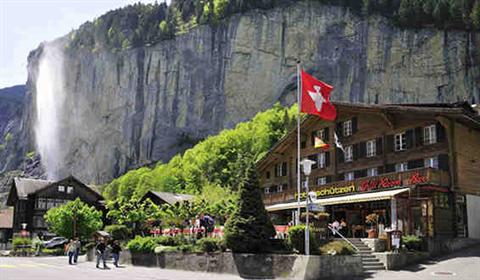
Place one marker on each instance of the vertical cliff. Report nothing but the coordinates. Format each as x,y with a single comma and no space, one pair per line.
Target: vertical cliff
129,108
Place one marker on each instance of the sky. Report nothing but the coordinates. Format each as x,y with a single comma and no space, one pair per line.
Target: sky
24,24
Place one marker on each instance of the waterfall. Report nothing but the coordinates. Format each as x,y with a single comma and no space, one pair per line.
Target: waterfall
50,98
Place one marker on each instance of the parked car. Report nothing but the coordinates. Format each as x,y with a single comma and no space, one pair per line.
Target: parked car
55,242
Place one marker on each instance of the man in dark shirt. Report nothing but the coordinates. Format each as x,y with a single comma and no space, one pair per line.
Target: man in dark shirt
116,249
100,252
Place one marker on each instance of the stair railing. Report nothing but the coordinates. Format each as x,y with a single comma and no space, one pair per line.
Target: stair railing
335,231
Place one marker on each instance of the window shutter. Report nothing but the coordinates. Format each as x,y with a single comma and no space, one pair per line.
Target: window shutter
341,177
356,151
440,132
354,125
360,173
379,143
340,156
362,149
315,159
284,169
409,136
326,133
443,162
390,143
389,168
329,178
276,170
415,163
338,129
327,159
418,136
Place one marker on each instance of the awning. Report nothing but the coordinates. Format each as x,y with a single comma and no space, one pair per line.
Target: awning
361,197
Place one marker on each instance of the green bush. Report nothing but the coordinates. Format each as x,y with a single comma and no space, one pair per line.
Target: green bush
168,240
21,242
165,249
337,248
142,244
118,232
296,239
209,244
412,242
53,252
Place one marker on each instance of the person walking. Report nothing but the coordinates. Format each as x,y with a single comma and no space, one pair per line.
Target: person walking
100,252
78,245
71,249
116,249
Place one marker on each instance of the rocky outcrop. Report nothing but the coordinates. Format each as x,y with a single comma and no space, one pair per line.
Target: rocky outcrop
142,105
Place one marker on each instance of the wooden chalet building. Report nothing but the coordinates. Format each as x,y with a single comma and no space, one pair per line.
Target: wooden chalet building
416,166
32,198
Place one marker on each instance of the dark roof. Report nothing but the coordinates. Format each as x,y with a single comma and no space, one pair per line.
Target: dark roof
6,218
26,186
170,198
460,111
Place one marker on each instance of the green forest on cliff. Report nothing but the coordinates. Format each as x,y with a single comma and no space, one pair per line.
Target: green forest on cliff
214,167
144,24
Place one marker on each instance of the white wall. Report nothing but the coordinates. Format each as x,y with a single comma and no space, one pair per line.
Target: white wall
473,215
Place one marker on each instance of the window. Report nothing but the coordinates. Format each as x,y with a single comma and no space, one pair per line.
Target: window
41,203
61,188
430,134
321,181
69,189
348,153
372,172
281,169
50,203
268,175
280,188
267,190
347,128
400,167
431,162
400,141
371,148
321,160
349,176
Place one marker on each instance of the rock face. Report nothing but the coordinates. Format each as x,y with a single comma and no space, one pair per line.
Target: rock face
11,126
142,105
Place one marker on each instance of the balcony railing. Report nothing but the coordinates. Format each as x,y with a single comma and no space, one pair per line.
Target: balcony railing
421,176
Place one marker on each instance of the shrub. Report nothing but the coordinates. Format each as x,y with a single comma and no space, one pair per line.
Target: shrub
296,239
168,240
21,242
412,242
118,232
142,244
249,229
337,248
209,244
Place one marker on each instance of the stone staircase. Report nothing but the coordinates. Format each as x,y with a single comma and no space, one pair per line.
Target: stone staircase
369,261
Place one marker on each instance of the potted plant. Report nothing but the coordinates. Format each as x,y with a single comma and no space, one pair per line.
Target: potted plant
372,220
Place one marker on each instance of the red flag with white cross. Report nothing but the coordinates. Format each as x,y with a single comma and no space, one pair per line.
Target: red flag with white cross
316,98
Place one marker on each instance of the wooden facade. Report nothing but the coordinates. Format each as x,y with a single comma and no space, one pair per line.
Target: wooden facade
440,143
32,198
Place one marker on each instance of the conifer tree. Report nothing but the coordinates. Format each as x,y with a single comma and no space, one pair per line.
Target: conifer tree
249,228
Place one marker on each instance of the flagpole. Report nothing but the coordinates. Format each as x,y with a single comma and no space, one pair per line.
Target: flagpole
297,222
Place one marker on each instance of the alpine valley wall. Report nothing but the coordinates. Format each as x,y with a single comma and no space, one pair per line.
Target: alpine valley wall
138,106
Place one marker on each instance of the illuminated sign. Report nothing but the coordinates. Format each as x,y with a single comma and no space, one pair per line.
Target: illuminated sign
379,183
333,191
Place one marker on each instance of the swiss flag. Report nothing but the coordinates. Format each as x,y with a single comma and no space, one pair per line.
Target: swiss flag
316,98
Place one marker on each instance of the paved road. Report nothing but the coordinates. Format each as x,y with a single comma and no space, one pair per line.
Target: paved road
463,265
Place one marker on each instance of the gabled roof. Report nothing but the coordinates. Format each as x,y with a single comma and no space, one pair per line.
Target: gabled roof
6,218
461,112
26,186
170,198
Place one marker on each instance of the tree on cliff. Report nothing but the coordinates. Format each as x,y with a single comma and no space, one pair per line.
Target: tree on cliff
75,218
249,228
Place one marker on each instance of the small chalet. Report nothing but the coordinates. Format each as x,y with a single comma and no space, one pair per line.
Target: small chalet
32,198
160,198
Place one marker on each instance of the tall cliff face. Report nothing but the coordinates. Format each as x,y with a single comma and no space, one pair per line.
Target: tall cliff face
142,105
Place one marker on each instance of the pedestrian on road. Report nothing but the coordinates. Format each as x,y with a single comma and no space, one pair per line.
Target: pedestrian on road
71,249
78,244
100,252
116,249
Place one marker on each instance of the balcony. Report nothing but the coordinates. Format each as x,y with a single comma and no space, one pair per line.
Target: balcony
421,176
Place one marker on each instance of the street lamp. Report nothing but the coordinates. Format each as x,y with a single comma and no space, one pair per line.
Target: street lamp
307,169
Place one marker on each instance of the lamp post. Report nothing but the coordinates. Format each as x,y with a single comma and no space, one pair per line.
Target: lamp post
307,169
